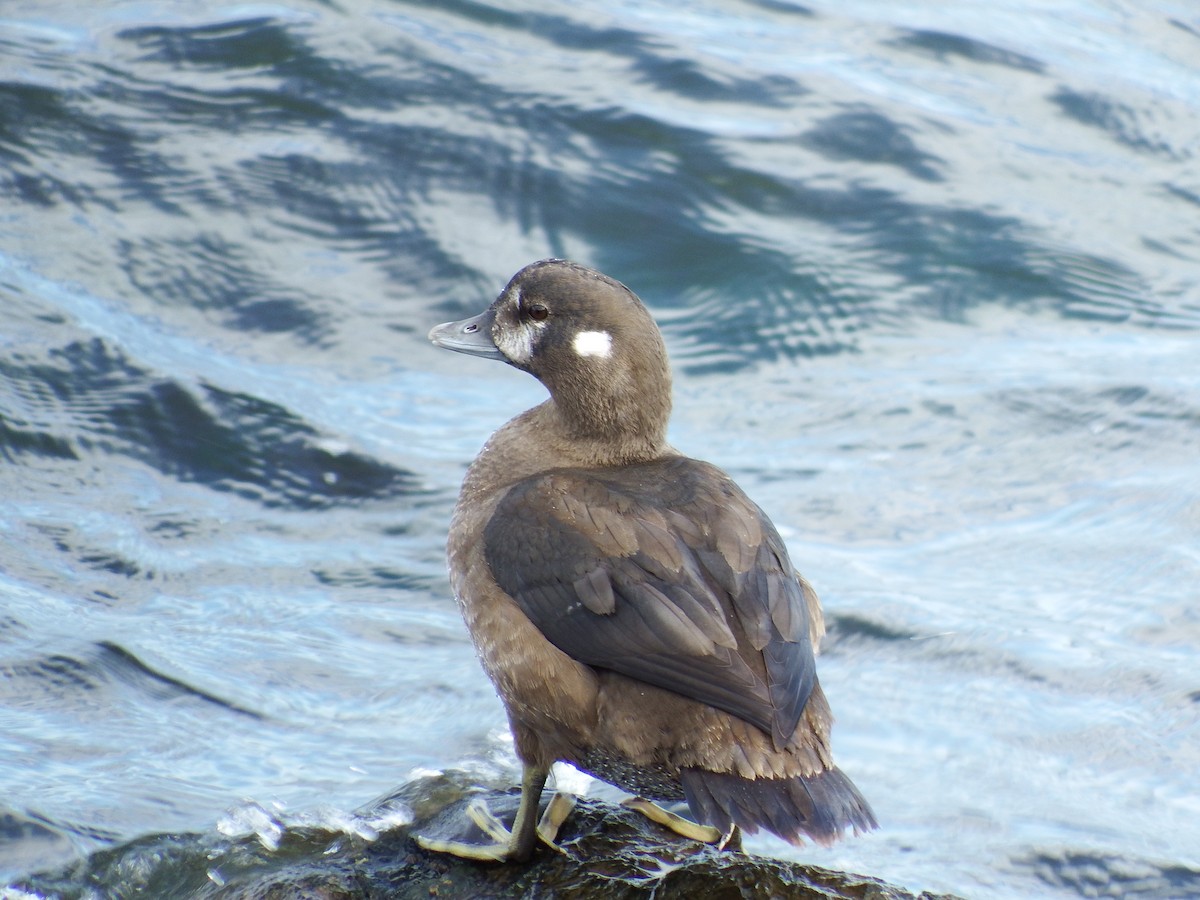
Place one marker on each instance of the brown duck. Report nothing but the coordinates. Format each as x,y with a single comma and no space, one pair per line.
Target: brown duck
636,611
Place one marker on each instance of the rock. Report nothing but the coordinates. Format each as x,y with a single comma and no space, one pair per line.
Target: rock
608,851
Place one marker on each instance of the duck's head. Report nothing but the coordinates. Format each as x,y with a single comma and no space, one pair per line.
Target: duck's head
588,339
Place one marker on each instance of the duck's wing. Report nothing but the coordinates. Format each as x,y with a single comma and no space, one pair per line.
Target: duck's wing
667,573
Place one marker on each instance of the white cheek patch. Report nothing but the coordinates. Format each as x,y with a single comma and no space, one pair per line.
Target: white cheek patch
593,343
516,343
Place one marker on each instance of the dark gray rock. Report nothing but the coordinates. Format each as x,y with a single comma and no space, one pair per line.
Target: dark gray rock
608,851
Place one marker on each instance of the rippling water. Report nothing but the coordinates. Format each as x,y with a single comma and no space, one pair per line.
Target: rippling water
929,274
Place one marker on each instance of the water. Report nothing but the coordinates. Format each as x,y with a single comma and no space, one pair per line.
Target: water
929,275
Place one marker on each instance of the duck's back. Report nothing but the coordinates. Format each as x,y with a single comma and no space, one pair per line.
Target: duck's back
664,572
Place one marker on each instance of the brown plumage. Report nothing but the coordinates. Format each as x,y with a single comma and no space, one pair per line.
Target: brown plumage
637,612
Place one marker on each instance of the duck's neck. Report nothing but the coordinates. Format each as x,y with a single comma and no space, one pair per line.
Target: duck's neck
606,436
542,438
613,416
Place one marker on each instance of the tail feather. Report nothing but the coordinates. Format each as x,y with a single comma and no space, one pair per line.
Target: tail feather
819,807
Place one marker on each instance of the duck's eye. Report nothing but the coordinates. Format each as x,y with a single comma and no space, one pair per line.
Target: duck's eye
537,312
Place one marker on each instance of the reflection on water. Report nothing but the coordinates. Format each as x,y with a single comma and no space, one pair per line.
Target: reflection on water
929,281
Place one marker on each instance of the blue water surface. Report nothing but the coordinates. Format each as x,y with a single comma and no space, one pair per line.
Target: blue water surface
930,277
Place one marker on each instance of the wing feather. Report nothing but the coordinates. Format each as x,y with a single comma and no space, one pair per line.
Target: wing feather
664,572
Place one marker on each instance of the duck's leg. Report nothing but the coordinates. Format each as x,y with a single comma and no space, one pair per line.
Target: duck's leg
517,844
525,826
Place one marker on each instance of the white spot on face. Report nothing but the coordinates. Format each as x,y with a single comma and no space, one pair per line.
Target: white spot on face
593,343
516,343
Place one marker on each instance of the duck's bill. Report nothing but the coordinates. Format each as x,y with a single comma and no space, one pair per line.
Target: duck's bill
473,336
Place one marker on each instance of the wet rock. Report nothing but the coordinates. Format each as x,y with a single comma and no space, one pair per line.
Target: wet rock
607,851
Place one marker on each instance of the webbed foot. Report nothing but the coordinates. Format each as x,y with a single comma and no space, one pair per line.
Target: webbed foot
706,834
502,844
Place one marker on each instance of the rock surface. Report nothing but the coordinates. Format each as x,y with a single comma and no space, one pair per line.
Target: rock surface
608,851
